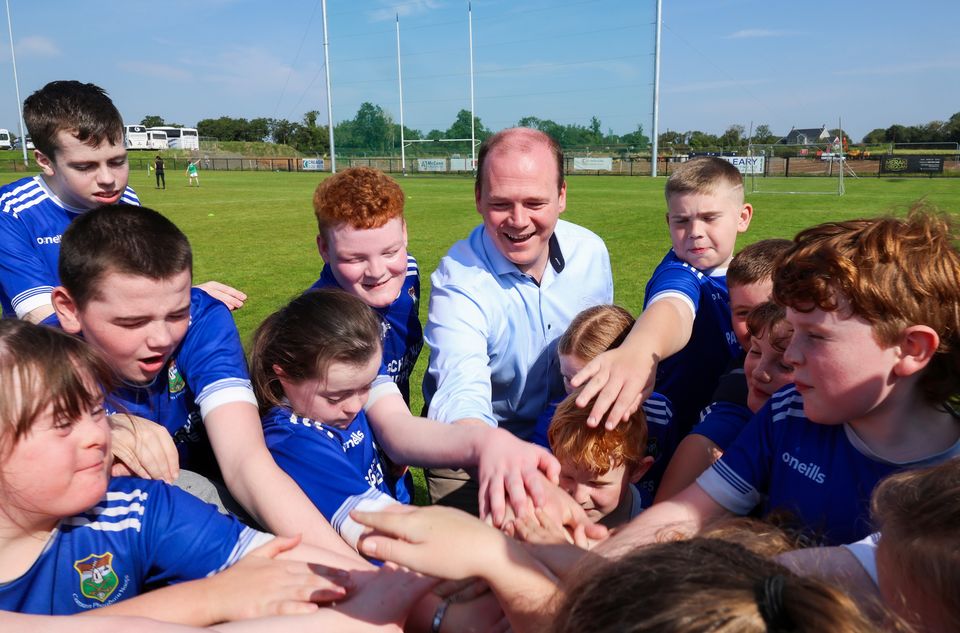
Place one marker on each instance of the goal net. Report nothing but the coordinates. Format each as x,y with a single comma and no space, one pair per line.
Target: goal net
798,169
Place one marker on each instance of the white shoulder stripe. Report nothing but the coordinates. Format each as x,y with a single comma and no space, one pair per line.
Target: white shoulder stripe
104,526
117,495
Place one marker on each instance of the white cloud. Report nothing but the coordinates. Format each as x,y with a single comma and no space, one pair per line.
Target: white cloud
37,46
758,33
157,71
407,7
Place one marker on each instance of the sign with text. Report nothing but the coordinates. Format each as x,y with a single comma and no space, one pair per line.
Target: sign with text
746,164
588,163
431,164
311,164
462,164
911,164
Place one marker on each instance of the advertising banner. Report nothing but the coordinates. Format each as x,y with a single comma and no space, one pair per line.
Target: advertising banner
431,164
911,164
746,164
587,163
311,164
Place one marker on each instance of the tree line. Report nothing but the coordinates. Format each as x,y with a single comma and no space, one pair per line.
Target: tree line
373,130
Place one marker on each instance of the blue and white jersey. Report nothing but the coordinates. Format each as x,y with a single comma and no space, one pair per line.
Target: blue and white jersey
32,221
338,469
722,421
821,475
140,534
401,333
207,370
689,377
662,440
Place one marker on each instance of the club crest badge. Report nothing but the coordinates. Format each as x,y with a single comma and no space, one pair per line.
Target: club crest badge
175,380
97,578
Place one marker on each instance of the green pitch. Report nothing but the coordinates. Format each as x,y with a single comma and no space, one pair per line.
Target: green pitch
256,231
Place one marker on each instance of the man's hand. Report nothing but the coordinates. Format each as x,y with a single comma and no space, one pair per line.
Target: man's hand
510,468
620,380
143,448
540,529
229,296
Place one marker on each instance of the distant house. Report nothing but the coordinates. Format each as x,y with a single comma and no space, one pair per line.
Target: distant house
807,136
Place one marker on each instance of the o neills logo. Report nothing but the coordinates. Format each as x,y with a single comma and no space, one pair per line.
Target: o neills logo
809,470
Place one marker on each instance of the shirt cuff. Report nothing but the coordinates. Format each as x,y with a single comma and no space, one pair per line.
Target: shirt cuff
672,294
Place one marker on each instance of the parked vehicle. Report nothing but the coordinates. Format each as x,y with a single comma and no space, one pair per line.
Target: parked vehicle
180,137
156,139
5,142
135,137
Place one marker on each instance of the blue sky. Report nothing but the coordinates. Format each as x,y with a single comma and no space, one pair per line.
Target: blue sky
782,63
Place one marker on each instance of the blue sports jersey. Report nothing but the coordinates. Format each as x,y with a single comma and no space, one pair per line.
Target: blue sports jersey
689,377
661,440
338,469
821,475
402,335
207,370
32,221
140,534
722,421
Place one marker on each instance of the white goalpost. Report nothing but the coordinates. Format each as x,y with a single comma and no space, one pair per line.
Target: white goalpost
799,168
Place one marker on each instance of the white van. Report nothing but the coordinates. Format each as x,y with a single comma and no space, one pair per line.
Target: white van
180,137
135,137
5,142
156,139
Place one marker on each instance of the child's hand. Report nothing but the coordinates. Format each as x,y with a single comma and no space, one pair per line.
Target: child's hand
143,448
563,510
540,529
510,468
387,597
622,380
229,296
434,540
260,585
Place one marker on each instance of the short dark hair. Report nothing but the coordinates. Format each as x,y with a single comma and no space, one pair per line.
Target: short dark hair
523,139
316,329
702,174
82,109
120,238
755,263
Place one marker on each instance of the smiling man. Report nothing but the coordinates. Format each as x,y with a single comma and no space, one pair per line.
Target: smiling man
78,134
501,298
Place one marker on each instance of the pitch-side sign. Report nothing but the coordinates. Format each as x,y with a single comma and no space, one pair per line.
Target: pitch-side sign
746,164
432,164
311,164
586,163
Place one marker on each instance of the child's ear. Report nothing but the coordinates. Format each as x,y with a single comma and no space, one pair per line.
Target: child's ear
278,371
322,246
641,469
45,162
918,344
67,310
746,214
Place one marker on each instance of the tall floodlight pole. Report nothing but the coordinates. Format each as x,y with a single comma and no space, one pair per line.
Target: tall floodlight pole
16,83
473,117
656,91
326,63
403,154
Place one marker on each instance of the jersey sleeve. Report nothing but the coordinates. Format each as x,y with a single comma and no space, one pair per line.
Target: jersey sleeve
24,276
739,479
326,476
721,422
674,279
457,334
185,539
211,357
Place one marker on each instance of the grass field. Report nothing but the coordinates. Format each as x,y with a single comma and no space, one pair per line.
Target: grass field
256,231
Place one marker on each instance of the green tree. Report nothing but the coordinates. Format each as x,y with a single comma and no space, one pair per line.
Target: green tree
875,137
637,139
372,127
152,120
763,136
282,131
733,137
